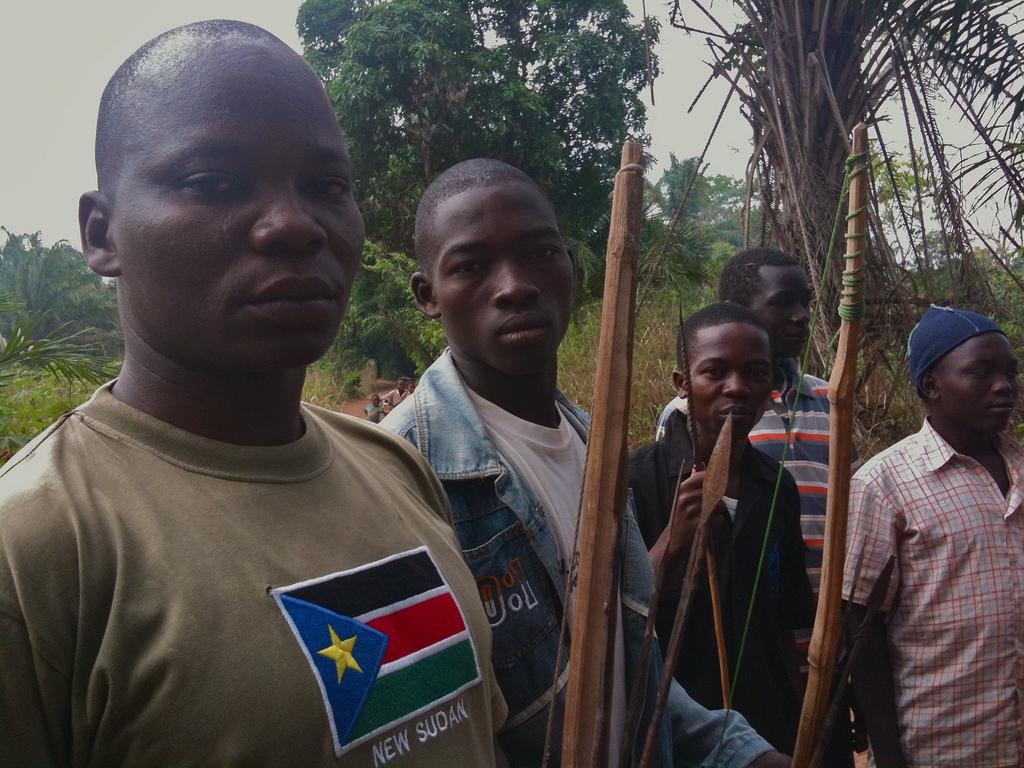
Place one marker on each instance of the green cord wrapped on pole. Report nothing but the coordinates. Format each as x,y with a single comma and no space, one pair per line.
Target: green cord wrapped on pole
825,639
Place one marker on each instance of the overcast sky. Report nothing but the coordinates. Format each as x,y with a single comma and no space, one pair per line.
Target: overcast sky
56,57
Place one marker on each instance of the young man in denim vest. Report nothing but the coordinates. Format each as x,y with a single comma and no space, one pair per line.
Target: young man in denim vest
509,449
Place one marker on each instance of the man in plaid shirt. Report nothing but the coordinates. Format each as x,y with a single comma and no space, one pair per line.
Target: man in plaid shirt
941,676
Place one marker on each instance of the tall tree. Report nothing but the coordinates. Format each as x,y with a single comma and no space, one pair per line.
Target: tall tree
551,87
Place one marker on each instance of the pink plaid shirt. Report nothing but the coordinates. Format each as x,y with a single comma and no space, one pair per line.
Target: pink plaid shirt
956,602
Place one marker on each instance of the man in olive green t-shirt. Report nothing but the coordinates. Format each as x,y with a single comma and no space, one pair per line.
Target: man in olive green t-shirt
195,567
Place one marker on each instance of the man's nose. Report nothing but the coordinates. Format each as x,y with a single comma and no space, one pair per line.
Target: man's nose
1005,384
285,226
513,285
736,385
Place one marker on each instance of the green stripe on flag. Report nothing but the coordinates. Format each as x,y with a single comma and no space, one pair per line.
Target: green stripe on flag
396,695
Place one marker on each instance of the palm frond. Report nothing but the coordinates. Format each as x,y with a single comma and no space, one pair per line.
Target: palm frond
58,353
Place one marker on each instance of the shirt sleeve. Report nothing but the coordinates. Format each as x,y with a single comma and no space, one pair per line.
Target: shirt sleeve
702,738
34,698
647,484
872,537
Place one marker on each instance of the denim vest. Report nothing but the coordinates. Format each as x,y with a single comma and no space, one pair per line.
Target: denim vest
509,547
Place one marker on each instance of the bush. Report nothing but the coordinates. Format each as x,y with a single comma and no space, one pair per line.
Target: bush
30,402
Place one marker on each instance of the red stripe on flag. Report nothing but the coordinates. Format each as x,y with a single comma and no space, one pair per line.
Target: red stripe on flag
419,626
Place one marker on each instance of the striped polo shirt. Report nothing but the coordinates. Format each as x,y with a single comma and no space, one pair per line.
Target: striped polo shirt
807,457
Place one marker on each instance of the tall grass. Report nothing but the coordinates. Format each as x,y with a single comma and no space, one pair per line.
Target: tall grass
31,401
654,357
327,387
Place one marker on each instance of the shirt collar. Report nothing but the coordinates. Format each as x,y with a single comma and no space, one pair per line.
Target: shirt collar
788,371
451,433
936,452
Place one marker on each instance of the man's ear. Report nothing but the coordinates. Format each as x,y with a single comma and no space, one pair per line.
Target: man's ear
423,292
680,381
97,245
928,386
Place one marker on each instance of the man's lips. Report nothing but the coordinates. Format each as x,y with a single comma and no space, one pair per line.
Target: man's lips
524,329
297,289
305,302
1001,407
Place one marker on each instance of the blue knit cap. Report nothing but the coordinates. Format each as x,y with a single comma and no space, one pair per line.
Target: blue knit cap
940,331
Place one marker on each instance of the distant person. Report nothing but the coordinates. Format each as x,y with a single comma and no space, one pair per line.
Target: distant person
373,410
400,392
509,449
942,669
195,567
730,372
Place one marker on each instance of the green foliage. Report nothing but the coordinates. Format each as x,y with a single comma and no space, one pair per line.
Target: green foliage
58,353
55,316
324,387
382,322
54,287
551,87
31,401
692,225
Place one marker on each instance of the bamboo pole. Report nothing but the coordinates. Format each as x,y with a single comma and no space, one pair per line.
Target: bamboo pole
824,645
585,730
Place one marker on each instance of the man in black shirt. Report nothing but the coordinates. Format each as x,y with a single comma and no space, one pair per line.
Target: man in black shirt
730,374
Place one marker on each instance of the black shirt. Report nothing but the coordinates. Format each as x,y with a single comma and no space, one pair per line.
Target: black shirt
768,691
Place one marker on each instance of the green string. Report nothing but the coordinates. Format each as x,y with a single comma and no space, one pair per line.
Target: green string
849,310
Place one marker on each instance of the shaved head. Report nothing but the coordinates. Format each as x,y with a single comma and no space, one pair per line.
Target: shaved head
469,174
140,84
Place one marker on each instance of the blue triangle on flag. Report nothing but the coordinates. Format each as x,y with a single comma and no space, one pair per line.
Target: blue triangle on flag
337,644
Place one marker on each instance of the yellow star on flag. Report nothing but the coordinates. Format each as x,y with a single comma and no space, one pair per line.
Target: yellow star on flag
340,651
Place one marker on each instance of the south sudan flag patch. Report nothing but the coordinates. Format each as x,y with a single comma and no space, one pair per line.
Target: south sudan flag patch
386,641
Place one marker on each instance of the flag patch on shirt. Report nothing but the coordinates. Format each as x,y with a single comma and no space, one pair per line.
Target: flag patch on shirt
386,642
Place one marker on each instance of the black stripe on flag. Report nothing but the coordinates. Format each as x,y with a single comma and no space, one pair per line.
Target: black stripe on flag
362,591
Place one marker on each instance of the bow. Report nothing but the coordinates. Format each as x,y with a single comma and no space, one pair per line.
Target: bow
824,645
585,729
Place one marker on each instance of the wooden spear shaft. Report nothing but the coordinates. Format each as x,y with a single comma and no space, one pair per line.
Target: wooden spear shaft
592,644
821,654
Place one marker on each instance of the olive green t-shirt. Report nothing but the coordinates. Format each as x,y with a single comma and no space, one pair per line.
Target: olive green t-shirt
169,600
